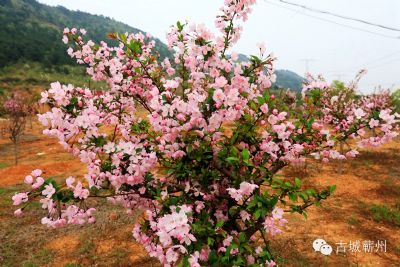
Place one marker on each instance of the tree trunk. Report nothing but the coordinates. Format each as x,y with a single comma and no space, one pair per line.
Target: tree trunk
340,169
16,152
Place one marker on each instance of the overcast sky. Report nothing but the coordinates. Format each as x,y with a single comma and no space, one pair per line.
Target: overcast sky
292,35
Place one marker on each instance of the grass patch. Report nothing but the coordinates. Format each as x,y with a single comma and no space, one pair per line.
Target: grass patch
382,213
41,257
353,220
398,249
87,246
30,75
3,165
8,191
2,191
119,253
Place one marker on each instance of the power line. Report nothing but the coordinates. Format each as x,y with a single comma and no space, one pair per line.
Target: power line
383,57
384,64
371,62
334,22
341,16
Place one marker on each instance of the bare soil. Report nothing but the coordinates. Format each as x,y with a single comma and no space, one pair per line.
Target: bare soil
371,179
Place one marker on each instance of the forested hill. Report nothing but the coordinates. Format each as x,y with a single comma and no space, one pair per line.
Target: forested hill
289,80
31,31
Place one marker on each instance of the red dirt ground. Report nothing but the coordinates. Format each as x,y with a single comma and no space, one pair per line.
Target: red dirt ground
373,178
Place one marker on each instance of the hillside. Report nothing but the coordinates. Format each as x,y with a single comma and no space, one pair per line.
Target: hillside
31,34
289,79
31,31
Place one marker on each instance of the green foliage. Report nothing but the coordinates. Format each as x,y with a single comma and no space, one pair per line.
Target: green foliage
3,165
353,220
382,213
32,31
396,100
29,75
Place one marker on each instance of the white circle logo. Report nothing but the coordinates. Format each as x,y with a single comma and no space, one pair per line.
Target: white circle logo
320,245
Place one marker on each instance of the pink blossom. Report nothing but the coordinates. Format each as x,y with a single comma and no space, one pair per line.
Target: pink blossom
39,181
69,182
36,173
264,108
80,192
48,191
261,47
220,82
28,179
19,198
250,259
218,96
65,39
245,216
18,213
172,84
277,213
359,113
373,123
258,250
245,190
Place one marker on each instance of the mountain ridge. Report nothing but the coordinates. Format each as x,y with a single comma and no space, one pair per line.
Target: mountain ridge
32,31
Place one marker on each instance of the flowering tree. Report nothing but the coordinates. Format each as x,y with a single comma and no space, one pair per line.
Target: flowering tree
395,99
202,163
369,120
16,112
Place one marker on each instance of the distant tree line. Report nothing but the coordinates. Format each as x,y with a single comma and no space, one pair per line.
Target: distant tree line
31,31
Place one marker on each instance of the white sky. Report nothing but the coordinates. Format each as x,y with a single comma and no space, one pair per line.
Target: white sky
336,51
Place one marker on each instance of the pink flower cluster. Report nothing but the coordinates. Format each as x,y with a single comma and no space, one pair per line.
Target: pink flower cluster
173,232
15,106
272,222
58,214
245,190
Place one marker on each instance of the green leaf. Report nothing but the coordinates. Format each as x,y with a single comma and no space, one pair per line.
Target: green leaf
297,181
179,26
293,196
242,237
231,159
122,37
234,138
219,224
257,214
332,188
245,154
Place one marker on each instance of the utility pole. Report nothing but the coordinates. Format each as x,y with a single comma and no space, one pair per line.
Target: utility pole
307,63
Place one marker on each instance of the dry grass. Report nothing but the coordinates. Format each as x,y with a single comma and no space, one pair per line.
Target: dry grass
369,188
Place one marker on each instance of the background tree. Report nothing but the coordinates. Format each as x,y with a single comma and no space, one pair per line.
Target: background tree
16,112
